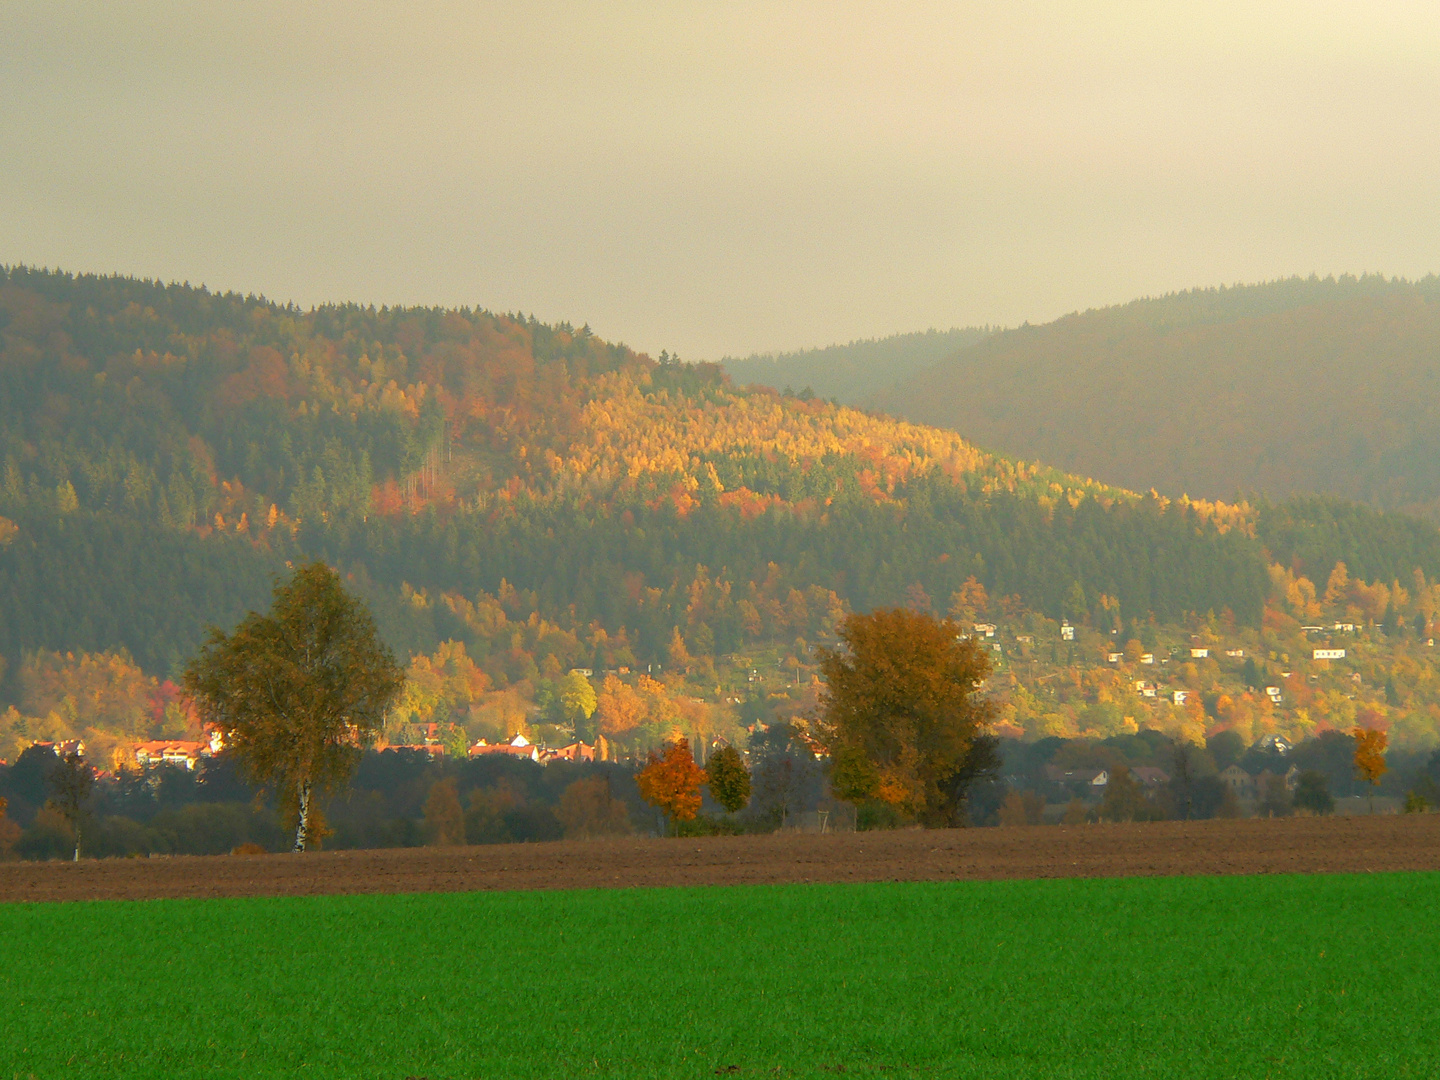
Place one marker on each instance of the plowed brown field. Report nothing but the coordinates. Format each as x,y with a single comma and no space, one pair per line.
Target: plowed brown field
1296,845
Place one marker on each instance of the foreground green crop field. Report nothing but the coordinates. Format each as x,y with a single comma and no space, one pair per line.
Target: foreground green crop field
1203,977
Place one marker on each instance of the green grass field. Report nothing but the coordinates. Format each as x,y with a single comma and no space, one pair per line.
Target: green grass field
1203,977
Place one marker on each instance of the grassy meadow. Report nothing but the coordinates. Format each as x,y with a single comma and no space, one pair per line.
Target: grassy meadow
1326,976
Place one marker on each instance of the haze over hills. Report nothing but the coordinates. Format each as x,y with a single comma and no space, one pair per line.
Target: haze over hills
460,451
853,373
1301,385
515,500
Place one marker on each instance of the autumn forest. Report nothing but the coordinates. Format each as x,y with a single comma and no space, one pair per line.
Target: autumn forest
518,502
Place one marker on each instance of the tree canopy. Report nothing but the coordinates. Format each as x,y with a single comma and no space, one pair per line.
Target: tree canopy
901,713
297,693
727,778
671,781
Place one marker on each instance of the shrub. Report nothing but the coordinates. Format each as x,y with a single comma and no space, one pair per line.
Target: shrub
1312,793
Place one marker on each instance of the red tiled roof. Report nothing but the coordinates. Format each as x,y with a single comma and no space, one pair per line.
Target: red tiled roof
503,748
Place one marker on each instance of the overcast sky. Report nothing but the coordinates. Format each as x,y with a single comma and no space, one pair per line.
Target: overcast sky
722,177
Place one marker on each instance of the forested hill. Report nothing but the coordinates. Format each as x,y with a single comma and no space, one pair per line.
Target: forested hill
854,373
1322,386
543,496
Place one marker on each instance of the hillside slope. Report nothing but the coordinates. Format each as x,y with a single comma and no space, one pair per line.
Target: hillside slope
516,500
451,453
854,373
1295,386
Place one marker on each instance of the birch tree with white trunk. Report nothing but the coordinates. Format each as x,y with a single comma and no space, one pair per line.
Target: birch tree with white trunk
298,693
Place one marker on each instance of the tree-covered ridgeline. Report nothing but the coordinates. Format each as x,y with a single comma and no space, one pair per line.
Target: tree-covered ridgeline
855,372
165,451
1286,387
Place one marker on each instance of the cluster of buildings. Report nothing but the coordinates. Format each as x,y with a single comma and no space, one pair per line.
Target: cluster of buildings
518,747
185,753
1097,780
188,753
1249,787
521,747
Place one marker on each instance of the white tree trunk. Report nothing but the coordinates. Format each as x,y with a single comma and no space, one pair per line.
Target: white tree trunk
302,828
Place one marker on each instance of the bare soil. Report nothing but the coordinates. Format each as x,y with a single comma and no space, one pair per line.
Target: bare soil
1295,845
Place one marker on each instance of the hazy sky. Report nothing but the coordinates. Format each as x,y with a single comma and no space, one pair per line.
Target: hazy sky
722,177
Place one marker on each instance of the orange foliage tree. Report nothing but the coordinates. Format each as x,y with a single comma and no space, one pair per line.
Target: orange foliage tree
671,781
1370,758
619,708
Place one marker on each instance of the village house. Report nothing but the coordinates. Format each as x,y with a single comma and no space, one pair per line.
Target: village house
1290,778
518,747
1238,781
1149,776
575,751
1092,778
1199,654
180,752
186,753
1246,786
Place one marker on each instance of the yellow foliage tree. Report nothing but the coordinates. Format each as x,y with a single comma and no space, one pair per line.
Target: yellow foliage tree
1370,758
901,715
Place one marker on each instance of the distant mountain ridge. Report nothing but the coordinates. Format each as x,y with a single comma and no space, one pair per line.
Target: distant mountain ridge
852,373
1309,385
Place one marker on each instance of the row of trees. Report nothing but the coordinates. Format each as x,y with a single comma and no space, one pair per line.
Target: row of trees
299,692
901,723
